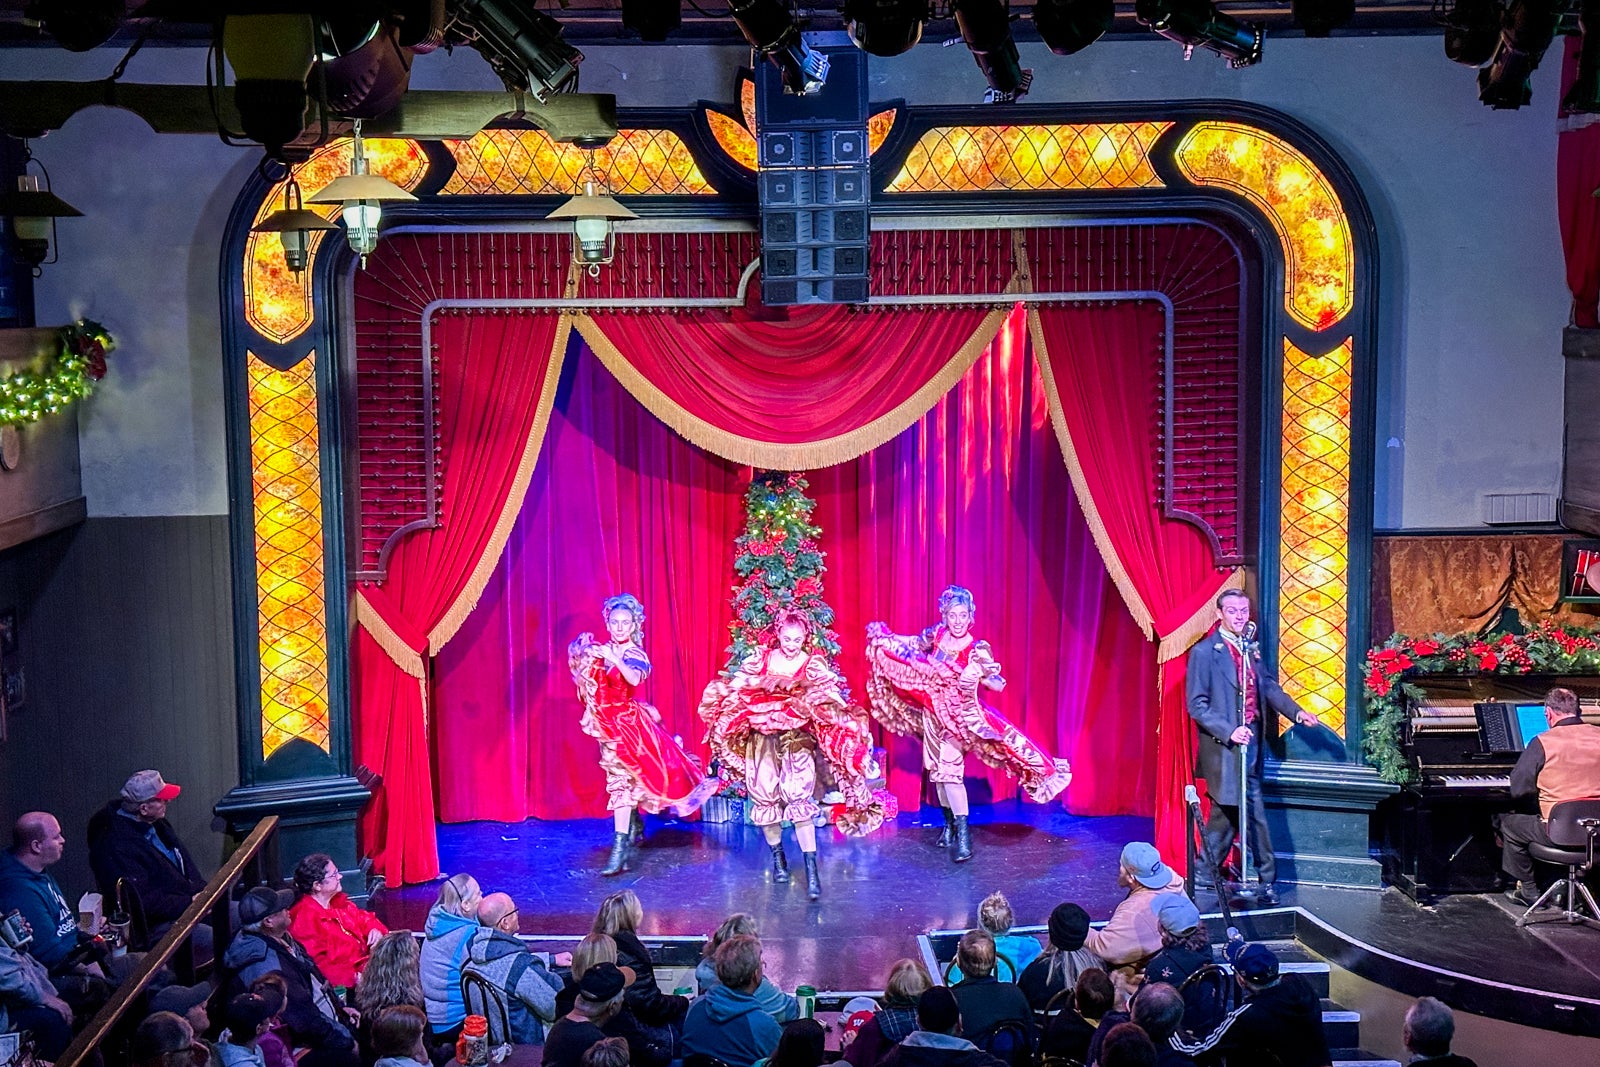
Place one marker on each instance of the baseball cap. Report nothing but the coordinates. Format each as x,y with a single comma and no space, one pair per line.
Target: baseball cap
148,785
1254,963
1141,860
178,999
263,901
601,982
1176,913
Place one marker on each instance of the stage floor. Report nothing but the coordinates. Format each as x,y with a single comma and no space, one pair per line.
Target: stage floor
880,893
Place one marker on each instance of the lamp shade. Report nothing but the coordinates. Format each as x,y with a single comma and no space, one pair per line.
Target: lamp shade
350,187
587,205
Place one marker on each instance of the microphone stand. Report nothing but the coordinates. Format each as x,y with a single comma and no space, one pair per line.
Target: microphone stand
1245,645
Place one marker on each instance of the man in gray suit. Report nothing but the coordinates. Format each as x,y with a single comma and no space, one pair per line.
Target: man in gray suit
1216,664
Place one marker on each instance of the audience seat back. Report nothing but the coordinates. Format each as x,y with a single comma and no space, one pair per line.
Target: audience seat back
1006,1041
483,997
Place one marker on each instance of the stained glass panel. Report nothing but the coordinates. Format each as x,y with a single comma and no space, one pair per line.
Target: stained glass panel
969,159
530,163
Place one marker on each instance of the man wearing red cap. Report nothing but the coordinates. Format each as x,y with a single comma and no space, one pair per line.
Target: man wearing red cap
131,839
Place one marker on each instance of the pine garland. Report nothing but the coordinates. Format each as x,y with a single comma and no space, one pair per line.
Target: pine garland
66,375
1549,649
780,566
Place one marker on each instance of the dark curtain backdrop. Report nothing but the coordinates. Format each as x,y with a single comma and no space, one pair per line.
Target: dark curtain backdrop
974,492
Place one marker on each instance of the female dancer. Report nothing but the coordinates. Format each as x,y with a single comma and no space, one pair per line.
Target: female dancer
927,686
645,767
766,724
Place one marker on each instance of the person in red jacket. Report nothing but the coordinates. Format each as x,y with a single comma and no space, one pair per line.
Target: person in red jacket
337,934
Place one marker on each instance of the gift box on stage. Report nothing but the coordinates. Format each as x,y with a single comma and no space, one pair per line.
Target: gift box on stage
723,809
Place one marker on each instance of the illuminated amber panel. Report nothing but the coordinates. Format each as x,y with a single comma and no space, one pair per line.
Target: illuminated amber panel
528,162
292,613
878,127
969,159
1313,580
738,142
277,302
1289,189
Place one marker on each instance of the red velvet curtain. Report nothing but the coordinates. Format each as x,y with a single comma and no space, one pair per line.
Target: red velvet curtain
492,371
975,491
1577,177
1105,364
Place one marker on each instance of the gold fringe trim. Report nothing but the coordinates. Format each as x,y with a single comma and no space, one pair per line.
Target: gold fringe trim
1080,485
422,686
467,599
404,656
1195,627
807,455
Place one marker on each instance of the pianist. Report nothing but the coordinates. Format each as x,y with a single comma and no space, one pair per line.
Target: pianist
1563,763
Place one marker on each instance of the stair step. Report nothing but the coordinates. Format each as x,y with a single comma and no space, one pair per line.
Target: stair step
1361,1057
1341,1028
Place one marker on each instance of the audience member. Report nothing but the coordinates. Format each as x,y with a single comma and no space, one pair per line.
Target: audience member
166,1040
774,1001
524,983
1066,1035
314,1015
1429,1028
987,1003
274,1045
191,1002
393,977
895,1019
1158,1010
1133,933
1118,1013
338,934
1013,952
1561,764
1062,961
28,1001
600,997
1127,1046
593,949
399,1036
610,1051
802,1044
727,1023
620,915
1281,1016
1186,947
648,1046
451,922
246,1019
26,886
937,1040
130,839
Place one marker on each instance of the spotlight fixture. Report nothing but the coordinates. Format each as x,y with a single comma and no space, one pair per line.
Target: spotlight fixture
271,56
1198,24
77,25
772,32
652,20
1068,26
294,226
986,28
521,43
362,195
592,212
1525,32
33,211
1471,30
885,27
1319,18
1584,95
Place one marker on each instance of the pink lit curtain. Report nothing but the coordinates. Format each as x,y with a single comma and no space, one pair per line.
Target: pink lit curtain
1577,178
974,491
1103,364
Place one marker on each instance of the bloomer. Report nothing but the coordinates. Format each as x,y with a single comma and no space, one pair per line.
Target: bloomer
623,788
782,778
942,753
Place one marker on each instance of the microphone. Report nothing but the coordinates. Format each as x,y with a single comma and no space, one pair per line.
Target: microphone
1249,634
1191,795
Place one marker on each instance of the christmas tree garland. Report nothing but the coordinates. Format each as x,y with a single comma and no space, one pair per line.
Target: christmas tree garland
65,375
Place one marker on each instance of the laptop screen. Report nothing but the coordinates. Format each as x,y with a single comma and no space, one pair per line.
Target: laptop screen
1531,722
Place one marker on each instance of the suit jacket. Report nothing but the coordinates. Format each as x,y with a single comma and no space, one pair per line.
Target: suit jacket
1213,696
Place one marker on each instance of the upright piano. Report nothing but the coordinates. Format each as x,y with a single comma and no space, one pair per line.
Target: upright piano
1436,836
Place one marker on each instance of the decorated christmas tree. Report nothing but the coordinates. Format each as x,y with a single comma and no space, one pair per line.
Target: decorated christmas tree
779,565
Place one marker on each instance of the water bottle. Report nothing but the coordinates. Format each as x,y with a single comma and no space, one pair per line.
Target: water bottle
472,1047
807,996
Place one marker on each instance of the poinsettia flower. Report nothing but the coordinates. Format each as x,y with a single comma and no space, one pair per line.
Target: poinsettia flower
1426,648
1489,661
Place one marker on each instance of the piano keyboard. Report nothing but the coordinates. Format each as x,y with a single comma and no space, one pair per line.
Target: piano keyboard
1474,781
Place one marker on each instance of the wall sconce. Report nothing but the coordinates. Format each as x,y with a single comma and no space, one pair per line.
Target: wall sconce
591,215
362,195
294,226
33,210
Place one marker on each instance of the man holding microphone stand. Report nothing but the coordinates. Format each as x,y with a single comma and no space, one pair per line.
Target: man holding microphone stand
1228,694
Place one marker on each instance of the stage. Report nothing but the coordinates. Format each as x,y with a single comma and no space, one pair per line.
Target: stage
881,893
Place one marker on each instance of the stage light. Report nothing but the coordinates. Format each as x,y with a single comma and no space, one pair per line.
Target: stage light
294,225
521,43
77,25
271,56
1584,95
1198,24
772,32
362,195
33,210
592,212
885,27
1068,26
1319,18
986,28
364,68
1471,28
652,20
1525,33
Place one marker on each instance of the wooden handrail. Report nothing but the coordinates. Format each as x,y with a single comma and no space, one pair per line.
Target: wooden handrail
216,890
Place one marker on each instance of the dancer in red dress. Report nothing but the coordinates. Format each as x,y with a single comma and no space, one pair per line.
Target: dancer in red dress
645,766
927,686
768,723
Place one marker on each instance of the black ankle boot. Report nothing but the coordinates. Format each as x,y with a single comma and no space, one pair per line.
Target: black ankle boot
636,829
949,827
619,856
780,864
813,879
962,850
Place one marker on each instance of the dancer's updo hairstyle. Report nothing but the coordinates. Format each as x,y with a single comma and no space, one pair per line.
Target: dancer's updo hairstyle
631,602
955,595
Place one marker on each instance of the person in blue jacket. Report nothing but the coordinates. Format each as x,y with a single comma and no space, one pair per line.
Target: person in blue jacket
451,922
25,886
728,1023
